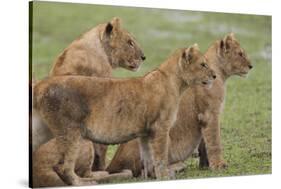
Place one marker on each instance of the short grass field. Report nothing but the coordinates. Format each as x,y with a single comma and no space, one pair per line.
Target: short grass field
246,120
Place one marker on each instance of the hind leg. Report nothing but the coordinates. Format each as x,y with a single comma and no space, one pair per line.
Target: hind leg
100,157
47,179
85,162
124,174
68,143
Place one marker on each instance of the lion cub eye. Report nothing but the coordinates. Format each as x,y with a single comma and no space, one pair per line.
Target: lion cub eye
240,54
131,43
204,65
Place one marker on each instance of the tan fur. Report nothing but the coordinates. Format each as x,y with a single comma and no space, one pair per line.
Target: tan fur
47,157
113,111
95,53
198,115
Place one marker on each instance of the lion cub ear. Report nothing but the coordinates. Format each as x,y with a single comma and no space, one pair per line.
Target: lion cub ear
189,53
108,28
225,43
230,36
113,26
116,23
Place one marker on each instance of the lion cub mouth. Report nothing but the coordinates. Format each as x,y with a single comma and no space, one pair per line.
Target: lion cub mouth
134,66
243,74
207,82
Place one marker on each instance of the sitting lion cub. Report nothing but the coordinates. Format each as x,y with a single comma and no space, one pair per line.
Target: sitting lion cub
112,111
95,53
198,114
47,156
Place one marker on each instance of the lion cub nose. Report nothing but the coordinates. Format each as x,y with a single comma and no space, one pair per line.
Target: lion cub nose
250,66
143,57
214,76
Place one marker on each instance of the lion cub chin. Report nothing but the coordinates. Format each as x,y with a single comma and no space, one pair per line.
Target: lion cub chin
79,106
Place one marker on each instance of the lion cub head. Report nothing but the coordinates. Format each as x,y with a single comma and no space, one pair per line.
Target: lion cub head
234,60
121,47
194,68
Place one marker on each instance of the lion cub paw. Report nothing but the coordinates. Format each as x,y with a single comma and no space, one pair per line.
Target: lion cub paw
218,165
97,175
85,182
70,178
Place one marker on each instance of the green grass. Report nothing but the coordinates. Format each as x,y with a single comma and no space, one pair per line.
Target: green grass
246,121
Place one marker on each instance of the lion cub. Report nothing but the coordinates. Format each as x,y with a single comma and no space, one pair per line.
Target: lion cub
198,114
47,156
95,53
113,111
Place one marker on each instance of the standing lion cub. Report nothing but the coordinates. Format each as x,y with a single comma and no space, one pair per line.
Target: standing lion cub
198,114
112,111
95,53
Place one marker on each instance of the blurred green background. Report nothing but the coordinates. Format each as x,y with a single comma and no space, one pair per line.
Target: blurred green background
246,120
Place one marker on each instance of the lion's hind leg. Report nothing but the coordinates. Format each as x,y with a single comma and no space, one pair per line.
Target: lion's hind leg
68,144
124,174
47,179
100,157
104,176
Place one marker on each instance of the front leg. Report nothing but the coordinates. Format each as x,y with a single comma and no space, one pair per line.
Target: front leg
146,158
211,136
159,147
154,154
